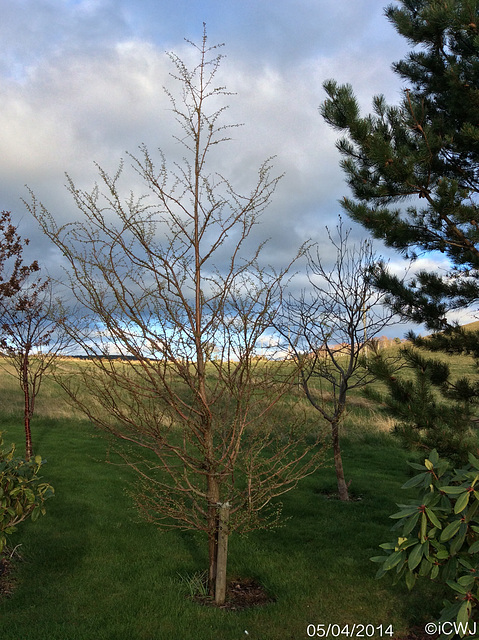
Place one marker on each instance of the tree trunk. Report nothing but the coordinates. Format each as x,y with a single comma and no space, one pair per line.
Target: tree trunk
338,463
222,556
26,394
28,433
213,499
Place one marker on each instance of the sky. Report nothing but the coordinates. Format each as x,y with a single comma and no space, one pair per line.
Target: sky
81,81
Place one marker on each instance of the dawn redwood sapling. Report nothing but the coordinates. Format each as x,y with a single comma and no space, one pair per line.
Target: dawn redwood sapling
168,281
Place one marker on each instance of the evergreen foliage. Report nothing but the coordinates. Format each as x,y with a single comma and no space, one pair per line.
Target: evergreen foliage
438,539
424,419
22,494
413,168
414,175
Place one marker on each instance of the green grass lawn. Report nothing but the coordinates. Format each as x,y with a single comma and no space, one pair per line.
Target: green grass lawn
91,570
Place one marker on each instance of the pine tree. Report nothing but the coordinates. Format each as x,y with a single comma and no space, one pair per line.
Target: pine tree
413,168
425,419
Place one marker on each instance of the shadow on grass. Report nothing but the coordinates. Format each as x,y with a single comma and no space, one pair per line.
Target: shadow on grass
51,553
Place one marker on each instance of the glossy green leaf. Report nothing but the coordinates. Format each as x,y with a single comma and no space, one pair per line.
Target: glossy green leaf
35,514
464,613
404,513
425,567
393,560
450,531
458,540
433,518
415,481
423,530
418,467
466,581
462,502
411,523
388,546
377,559
406,543
415,557
453,490
457,587
410,579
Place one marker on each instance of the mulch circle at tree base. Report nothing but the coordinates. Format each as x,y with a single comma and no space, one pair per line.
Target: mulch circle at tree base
241,593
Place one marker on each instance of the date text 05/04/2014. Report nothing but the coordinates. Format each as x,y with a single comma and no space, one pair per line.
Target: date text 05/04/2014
354,630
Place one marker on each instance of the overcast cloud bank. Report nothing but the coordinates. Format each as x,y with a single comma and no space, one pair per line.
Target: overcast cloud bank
82,81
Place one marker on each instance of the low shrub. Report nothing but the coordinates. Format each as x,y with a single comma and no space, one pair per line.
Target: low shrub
439,535
22,492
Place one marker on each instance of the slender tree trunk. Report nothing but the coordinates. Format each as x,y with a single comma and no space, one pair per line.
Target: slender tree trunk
338,462
222,556
28,432
26,394
213,499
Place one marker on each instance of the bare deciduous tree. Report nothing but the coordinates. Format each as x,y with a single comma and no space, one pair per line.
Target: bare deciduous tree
165,282
329,329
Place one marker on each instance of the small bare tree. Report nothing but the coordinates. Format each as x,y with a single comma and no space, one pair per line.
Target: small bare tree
13,272
165,283
32,340
329,328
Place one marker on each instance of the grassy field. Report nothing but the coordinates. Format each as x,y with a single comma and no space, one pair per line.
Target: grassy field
92,570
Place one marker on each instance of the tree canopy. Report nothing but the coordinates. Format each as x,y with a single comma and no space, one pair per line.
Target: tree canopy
194,401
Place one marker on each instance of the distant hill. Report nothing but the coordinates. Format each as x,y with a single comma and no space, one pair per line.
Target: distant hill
471,326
